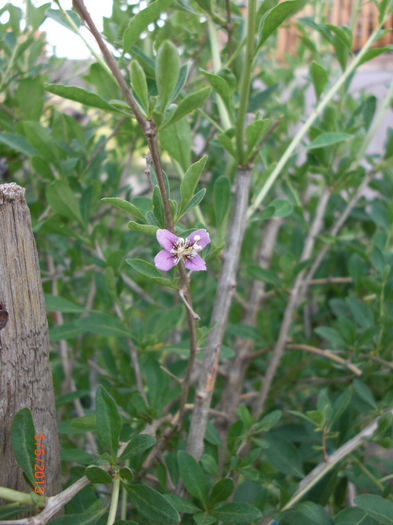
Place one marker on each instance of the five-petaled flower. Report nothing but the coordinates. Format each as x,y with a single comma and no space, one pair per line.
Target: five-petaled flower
178,249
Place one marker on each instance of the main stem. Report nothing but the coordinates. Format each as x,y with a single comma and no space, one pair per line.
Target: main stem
246,81
225,289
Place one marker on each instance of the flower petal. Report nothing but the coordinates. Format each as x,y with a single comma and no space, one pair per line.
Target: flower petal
195,263
204,238
167,239
164,260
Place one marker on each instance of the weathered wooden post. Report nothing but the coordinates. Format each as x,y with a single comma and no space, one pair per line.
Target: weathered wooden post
25,375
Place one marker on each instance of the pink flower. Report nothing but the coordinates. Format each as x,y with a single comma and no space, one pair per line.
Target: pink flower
178,249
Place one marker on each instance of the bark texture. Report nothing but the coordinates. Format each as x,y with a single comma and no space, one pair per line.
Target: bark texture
25,375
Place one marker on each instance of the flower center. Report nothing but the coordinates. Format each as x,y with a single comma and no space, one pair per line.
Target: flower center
183,249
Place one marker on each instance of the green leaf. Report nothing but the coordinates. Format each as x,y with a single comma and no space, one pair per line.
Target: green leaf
284,457
190,181
58,16
108,421
362,314
267,422
331,335
192,476
40,138
176,140
139,84
197,198
373,53
150,271
97,474
79,425
149,229
126,474
364,392
353,516
17,143
152,504
83,96
158,208
276,16
30,98
62,200
23,442
187,105
180,504
377,507
225,139
139,22
255,133
328,139
262,274
221,491
232,512
167,72
222,198
102,324
35,15
204,518
222,88
103,81
319,76
126,206
137,445
91,516
54,303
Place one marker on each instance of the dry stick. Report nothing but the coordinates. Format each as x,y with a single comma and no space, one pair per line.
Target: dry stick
149,129
225,289
328,355
333,232
292,304
238,367
321,470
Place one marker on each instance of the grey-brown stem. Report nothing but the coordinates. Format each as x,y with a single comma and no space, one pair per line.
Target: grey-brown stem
291,305
225,289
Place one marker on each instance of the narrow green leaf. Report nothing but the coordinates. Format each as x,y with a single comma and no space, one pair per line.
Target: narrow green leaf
377,507
221,491
139,84
139,22
40,138
176,140
197,198
268,422
276,16
331,335
97,474
23,444
17,143
152,504
328,139
62,200
319,76
102,324
364,392
222,199
192,476
255,132
137,445
158,207
232,512
83,96
54,303
91,516
108,421
262,274
180,504
149,229
222,88
188,104
225,139
150,271
167,72
58,16
125,206
190,181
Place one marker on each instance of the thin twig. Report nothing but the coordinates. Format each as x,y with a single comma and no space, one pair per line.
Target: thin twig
328,355
148,128
321,470
292,304
188,306
225,289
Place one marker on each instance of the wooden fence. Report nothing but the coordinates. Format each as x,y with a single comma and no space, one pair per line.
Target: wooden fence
339,13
